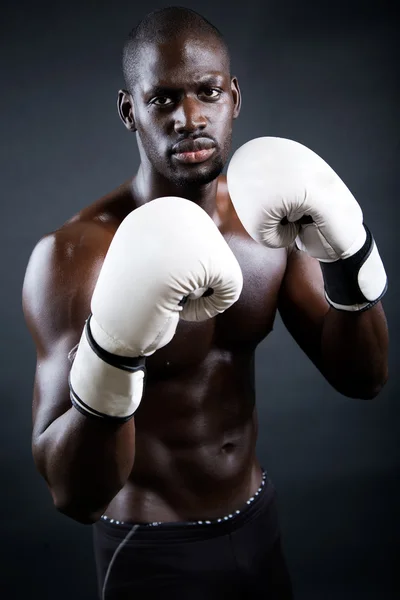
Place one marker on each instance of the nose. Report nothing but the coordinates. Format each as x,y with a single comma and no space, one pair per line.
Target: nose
189,116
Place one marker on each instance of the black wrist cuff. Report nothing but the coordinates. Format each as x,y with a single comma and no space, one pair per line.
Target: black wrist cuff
341,279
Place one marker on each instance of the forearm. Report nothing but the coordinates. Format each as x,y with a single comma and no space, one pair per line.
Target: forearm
85,461
354,351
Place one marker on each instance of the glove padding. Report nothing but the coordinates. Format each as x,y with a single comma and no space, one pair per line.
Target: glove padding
274,183
164,256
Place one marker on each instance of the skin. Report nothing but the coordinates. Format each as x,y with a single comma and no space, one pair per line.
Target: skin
189,452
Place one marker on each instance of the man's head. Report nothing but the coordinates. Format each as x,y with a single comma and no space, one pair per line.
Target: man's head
180,96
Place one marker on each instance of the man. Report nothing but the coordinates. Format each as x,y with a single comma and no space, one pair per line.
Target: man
146,309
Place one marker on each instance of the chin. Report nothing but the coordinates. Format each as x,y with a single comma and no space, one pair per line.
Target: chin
197,177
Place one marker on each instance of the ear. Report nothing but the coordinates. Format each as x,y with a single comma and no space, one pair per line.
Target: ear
125,110
237,97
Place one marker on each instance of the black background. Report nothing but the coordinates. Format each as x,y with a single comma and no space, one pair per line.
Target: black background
324,75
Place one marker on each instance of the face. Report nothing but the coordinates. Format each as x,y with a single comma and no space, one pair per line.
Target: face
182,108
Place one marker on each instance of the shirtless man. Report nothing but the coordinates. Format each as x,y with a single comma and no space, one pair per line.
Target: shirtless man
144,414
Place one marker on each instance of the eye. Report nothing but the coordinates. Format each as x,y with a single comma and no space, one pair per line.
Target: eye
161,101
212,93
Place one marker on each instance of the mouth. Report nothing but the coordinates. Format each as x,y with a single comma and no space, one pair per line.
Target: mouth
194,157
193,151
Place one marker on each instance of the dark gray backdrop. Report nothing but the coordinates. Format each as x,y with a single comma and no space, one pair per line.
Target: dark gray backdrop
325,76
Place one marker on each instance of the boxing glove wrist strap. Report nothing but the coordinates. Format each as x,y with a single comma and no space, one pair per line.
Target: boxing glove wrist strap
358,282
126,363
105,385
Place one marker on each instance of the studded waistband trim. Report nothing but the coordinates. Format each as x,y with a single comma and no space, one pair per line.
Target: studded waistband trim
203,522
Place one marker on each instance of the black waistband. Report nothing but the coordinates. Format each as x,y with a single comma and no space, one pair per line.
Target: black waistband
192,530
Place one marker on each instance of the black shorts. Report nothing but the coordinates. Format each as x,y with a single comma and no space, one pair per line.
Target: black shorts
237,556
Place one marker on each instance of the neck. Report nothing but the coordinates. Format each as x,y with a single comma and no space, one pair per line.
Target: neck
147,187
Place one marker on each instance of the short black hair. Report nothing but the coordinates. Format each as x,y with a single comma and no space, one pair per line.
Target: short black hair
160,26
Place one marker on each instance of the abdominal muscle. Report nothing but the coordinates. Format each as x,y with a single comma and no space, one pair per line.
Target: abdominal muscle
195,454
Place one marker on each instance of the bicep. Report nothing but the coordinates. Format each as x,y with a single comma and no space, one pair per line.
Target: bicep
302,304
55,308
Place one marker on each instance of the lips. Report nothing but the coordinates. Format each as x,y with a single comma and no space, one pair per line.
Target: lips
193,151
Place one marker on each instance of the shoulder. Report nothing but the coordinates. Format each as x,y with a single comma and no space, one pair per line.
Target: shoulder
109,210
60,277
64,264
84,238
74,242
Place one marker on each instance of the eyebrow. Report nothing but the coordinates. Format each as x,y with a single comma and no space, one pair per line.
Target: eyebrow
163,90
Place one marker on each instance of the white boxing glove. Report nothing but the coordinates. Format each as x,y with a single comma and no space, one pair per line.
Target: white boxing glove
275,182
164,256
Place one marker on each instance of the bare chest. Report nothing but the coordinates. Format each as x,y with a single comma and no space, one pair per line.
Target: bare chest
245,324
